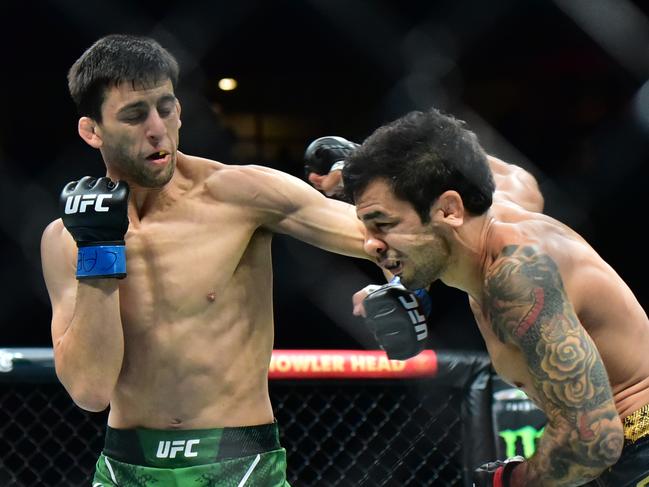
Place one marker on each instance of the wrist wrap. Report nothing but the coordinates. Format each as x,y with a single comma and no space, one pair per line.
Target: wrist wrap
101,261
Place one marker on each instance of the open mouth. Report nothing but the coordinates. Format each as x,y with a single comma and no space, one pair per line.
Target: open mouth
394,267
158,157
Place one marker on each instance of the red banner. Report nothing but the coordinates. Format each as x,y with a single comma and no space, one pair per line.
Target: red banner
349,364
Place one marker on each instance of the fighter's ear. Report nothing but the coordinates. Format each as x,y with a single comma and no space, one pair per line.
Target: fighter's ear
448,208
88,131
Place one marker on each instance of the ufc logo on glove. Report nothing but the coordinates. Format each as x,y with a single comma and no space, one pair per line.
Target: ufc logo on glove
80,203
395,316
95,212
416,317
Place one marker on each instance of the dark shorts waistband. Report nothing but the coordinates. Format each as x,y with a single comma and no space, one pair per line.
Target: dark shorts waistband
181,448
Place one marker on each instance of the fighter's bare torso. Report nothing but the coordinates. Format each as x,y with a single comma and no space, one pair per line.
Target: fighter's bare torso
604,304
196,306
197,315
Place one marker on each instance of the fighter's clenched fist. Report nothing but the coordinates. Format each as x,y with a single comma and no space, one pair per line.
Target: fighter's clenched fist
396,317
94,211
324,160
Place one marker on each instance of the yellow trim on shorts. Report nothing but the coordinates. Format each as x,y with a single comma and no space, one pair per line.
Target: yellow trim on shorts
636,424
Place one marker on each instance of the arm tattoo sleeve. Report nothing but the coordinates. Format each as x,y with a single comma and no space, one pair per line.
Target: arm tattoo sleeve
529,308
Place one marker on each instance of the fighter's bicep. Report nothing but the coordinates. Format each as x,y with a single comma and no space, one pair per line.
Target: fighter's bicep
270,194
328,224
529,308
58,263
285,204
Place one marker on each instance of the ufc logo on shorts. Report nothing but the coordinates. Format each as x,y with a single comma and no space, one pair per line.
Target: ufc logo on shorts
80,203
415,316
169,449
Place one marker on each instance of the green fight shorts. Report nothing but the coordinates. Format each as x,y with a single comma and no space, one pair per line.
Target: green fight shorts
249,456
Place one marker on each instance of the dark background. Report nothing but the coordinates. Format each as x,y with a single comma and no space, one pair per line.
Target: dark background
558,87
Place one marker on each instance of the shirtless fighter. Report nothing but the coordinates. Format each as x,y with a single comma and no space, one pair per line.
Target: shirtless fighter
324,160
558,322
159,275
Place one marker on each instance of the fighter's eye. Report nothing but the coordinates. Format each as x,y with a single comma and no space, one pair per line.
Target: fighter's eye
383,225
134,117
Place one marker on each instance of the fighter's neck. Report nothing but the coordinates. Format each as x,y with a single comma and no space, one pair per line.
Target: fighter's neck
146,201
469,253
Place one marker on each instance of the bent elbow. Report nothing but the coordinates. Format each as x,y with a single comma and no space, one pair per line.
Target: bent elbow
89,400
89,397
608,449
88,390
612,445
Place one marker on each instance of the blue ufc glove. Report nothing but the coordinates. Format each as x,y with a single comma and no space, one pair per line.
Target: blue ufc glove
94,211
423,297
396,318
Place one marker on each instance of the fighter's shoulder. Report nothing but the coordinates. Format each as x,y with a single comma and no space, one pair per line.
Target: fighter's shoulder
519,236
515,185
500,168
234,172
234,179
197,168
216,176
247,183
515,233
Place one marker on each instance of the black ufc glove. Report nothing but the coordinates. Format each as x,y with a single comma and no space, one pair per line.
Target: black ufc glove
327,154
397,320
94,211
495,474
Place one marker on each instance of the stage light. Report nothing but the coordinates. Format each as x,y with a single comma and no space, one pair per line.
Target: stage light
227,84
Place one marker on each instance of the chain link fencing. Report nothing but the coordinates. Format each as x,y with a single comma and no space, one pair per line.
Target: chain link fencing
363,433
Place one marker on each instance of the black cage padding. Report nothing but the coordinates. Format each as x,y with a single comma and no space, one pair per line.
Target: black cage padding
361,433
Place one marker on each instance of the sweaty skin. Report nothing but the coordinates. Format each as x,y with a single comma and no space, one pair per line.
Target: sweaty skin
185,340
557,320
514,186
562,325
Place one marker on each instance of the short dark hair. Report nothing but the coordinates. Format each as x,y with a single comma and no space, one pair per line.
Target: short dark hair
115,59
421,155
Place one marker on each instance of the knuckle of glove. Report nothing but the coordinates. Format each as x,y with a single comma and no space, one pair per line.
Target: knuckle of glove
103,185
87,182
323,152
95,209
69,188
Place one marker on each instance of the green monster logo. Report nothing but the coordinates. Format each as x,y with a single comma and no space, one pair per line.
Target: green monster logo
528,436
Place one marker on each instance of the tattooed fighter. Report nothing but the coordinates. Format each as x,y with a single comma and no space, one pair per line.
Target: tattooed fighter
557,320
